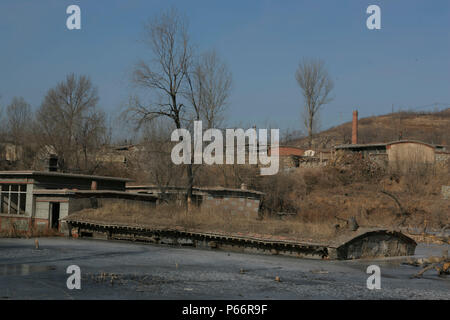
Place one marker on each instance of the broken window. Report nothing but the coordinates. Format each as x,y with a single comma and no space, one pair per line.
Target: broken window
13,198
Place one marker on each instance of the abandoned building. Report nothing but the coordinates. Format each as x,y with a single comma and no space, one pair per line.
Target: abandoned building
241,201
401,152
40,200
395,153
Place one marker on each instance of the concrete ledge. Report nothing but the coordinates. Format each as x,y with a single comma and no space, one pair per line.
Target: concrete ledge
363,244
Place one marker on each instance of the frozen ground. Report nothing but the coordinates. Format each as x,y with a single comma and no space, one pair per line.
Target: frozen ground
145,271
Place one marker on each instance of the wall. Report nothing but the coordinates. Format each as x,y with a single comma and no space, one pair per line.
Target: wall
442,156
247,206
13,222
380,159
55,182
288,151
78,204
311,162
445,191
409,153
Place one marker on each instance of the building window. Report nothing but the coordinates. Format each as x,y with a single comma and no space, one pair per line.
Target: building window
13,198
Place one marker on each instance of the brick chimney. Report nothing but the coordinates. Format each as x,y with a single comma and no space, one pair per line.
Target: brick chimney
355,127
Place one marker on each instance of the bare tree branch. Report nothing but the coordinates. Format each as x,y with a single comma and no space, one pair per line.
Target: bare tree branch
316,85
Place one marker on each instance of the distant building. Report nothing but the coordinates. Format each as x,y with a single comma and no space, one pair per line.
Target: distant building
236,201
402,152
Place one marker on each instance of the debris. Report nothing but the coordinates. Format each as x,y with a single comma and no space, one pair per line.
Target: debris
319,271
441,264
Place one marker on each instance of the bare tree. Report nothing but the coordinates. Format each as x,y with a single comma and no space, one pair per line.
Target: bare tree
90,136
70,123
178,87
156,156
18,119
164,75
167,38
209,89
316,85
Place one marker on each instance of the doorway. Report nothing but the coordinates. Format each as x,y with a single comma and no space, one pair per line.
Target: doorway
54,215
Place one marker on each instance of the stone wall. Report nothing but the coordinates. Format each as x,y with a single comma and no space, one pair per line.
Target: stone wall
311,162
445,191
442,156
380,159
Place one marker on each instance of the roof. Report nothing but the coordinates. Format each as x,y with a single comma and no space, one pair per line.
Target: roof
201,189
364,232
381,145
361,146
60,174
415,141
69,192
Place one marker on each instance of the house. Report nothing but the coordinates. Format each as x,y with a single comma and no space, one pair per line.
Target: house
41,199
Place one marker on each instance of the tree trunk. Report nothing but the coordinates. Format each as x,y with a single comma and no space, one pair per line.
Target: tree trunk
310,131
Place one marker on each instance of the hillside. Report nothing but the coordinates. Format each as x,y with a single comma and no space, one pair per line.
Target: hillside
431,127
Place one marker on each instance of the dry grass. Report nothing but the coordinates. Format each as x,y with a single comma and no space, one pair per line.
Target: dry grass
171,216
322,201
431,127
330,196
32,233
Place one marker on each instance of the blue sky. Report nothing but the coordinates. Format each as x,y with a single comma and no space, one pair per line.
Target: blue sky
406,63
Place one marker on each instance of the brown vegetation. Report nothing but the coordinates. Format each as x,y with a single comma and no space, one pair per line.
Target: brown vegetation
430,127
171,216
31,233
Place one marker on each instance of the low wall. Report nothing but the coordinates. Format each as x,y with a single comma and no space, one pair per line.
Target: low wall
21,225
235,201
14,223
442,156
246,206
356,245
78,204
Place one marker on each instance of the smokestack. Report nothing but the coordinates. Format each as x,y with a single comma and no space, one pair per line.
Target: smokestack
355,127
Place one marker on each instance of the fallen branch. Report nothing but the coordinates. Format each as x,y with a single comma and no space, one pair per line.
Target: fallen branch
402,211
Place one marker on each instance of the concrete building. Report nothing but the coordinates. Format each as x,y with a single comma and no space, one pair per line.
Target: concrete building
39,200
239,201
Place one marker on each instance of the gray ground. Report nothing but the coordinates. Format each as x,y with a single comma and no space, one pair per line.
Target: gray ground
145,271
